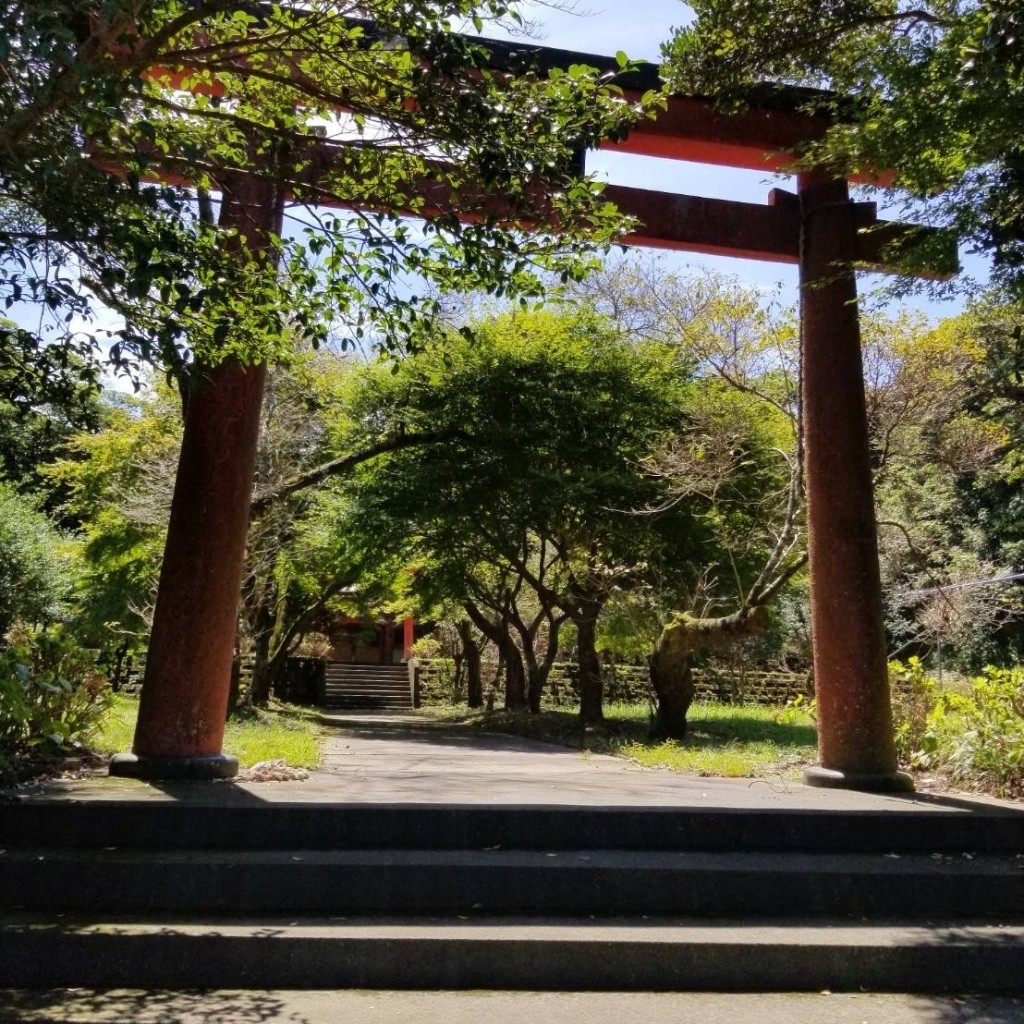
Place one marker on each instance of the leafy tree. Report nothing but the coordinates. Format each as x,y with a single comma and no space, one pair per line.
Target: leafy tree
739,460
101,98
299,562
118,482
933,90
551,416
944,453
752,488
39,410
522,620
994,497
36,567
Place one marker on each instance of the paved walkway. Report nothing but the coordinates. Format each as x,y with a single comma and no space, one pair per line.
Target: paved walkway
82,1006
409,759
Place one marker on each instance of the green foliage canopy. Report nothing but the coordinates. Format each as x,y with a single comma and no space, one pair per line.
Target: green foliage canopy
554,425
122,120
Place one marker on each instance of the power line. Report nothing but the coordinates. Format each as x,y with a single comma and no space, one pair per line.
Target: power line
1012,578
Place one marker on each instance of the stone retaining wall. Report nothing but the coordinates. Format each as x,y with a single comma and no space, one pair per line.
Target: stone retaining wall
628,684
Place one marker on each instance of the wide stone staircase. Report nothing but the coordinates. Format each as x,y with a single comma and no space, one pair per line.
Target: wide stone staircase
241,892
352,687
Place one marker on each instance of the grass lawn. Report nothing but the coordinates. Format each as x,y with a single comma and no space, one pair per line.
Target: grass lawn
723,739
281,731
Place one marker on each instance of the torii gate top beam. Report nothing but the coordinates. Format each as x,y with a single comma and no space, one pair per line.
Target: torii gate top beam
764,137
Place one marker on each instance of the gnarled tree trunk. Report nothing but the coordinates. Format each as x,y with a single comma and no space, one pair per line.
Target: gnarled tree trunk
671,666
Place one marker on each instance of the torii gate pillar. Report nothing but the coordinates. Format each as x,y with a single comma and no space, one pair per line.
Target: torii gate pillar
855,735
188,668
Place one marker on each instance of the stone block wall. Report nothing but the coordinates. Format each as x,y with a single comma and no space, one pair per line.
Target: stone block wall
435,681
628,684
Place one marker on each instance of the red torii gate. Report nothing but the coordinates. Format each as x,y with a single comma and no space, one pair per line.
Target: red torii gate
185,695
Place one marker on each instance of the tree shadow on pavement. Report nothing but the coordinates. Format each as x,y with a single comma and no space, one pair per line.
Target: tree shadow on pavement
144,1007
969,1009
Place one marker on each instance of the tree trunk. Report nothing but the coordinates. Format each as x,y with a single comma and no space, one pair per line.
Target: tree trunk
474,676
262,675
540,672
515,679
671,668
535,675
498,633
119,672
535,689
590,681
672,679
258,694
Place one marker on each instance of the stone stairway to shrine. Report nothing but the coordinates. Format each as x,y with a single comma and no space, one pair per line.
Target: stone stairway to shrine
245,892
351,687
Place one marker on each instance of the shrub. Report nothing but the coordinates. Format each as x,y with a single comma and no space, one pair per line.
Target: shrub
51,695
977,739
915,711
988,747
426,648
35,572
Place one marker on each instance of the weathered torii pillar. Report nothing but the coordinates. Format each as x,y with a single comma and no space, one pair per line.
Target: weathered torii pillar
184,702
851,684
185,694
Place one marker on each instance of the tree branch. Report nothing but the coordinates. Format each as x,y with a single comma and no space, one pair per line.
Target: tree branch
343,464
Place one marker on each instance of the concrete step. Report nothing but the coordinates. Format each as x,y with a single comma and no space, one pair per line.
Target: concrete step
367,680
341,707
356,666
364,690
366,704
335,671
367,701
517,882
227,892
212,819
949,955
370,689
349,686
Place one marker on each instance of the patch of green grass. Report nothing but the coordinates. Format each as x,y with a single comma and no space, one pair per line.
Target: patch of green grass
722,739
731,760
116,729
280,732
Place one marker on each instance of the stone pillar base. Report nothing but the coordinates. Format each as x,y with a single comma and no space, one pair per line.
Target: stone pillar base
192,768
828,778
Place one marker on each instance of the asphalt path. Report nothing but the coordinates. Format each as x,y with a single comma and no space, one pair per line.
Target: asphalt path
82,1006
